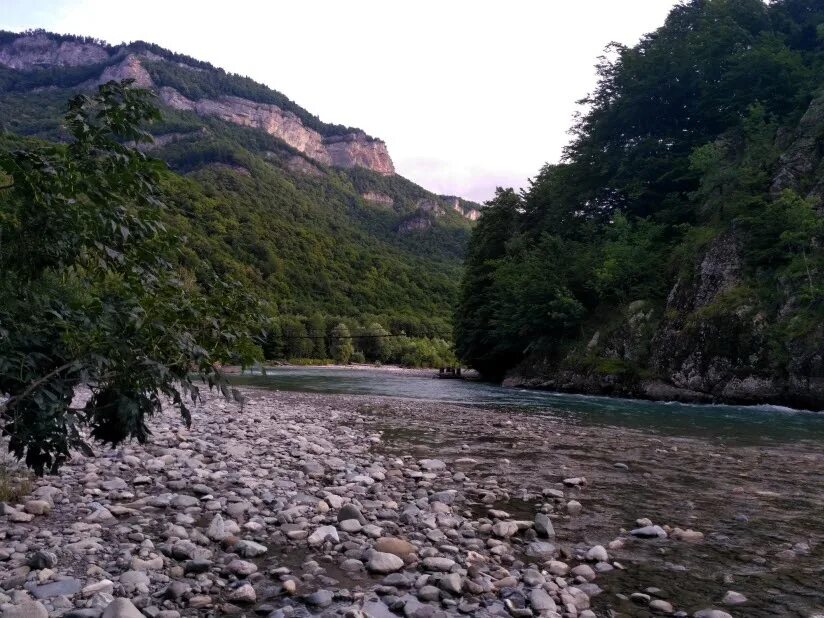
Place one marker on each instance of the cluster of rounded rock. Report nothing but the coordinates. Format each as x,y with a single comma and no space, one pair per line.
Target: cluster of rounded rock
260,514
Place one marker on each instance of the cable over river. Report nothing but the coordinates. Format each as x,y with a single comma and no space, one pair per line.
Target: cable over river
731,424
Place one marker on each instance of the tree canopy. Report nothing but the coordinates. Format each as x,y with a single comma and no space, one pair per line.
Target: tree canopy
93,292
680,143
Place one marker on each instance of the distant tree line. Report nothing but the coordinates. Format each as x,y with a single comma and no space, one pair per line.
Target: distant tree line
325,338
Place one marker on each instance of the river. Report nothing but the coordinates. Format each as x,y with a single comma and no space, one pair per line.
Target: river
747,425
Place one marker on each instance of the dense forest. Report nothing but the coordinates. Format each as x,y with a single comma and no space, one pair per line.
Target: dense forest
294,233
676,249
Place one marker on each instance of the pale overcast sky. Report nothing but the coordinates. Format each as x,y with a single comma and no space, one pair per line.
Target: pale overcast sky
467,94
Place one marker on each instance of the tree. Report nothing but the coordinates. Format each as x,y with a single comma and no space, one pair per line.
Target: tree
298,343
340,344
317,331
91,292
274,345
474,315
374,342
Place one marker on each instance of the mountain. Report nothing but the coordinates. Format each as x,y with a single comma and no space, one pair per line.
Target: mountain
310,216
677,251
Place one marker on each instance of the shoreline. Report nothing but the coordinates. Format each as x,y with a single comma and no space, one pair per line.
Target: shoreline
421,372
252,512
657,390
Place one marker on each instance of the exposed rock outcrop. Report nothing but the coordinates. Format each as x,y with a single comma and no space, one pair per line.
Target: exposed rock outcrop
415,223
129,68
709,343
40,50
461,207
269,118
300,165
347,150
378,198
804,158
350,150
427,209
158,141
359,150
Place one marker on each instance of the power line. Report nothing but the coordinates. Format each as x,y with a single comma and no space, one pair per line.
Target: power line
356,336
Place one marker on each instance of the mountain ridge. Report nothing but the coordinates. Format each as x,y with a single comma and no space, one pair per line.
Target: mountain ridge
309,215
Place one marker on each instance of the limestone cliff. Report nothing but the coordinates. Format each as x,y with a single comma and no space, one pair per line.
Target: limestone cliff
347,149
269,118
378,198
359,150
40,50
428,209
129,68
462,207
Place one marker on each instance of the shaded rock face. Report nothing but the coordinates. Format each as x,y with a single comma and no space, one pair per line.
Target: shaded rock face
695,350
302,166
351,150
716,352
804,158
428,209
458,205
39,50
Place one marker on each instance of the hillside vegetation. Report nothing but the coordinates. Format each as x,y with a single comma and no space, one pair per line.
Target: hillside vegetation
295,233
676,251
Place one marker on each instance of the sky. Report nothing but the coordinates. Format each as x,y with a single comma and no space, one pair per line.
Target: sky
468,94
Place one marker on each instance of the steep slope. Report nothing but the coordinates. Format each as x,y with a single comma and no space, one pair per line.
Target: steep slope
310,215
678,250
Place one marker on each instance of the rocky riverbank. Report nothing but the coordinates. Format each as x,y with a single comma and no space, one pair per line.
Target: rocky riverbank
364,506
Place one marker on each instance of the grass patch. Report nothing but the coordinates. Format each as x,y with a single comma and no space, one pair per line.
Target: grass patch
14,484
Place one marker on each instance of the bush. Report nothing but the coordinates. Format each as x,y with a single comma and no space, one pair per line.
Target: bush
357,357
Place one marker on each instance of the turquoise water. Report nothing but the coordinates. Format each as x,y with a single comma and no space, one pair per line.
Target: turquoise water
738,424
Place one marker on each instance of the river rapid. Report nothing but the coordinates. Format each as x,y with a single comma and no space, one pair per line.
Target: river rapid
751,479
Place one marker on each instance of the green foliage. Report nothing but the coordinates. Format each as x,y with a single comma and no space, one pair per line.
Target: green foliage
374,342
14,484
93,293
317,332
340,344
302,243
680,143
357,357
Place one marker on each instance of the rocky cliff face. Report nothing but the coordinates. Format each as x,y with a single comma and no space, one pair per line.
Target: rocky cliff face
695,350
347,150
802,163
358,150
39,50
129,68
350,150
269,118
427,210
461,207
378,198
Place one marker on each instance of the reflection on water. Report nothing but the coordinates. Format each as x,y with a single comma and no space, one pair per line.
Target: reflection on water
739,424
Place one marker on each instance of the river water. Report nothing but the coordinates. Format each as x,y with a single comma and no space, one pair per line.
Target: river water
735,424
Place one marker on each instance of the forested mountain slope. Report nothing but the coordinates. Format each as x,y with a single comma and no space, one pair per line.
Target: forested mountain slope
677,251
309,216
